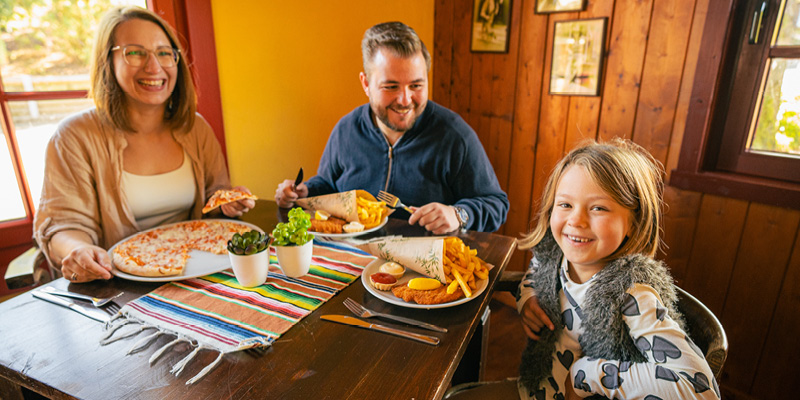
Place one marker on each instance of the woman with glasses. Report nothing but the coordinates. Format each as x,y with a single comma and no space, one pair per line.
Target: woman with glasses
141,157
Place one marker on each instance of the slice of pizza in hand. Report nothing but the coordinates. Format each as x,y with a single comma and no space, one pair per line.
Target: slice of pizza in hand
224,196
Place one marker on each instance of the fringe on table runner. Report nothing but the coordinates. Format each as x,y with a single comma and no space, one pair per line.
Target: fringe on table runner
226,317
120,321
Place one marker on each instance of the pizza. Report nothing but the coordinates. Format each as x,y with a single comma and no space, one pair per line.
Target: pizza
165,251
223,196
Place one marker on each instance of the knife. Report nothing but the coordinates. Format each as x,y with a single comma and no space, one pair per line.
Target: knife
344,319
299,178
92,313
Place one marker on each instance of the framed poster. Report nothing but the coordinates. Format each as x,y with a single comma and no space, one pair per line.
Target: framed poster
554,6
578,50
490,23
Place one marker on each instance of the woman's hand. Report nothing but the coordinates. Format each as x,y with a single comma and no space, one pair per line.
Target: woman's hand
237,208
534,318
80,259
85,263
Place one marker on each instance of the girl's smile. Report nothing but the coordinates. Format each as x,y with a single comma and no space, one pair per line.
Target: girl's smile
586,222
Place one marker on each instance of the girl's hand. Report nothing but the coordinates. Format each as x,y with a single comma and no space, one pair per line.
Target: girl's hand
237,208
534,318
86,263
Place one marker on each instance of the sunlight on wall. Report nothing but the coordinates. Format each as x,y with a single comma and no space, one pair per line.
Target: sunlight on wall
288,71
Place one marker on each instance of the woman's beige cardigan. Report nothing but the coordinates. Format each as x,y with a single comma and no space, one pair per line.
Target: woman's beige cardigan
83,174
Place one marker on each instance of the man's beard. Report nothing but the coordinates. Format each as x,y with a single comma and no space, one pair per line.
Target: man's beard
383,116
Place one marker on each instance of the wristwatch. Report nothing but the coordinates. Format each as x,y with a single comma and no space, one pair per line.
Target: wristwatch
463,217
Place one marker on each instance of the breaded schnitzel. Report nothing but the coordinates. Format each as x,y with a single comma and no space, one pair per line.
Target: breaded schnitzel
331,225
435,296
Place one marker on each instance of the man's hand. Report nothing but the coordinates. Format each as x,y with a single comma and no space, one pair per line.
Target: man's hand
237,208
435,217
287,193
534,318
86,263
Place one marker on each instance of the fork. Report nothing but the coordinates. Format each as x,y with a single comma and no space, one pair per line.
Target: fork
364,312
393,201
112,308
97,301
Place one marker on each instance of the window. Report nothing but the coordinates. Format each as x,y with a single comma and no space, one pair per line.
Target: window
742,135
44,76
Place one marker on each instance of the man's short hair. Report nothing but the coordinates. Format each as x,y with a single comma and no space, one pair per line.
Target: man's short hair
397,37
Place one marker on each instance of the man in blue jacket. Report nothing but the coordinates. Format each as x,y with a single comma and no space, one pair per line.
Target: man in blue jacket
406,145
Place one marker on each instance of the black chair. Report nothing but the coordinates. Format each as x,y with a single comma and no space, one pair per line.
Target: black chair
703,327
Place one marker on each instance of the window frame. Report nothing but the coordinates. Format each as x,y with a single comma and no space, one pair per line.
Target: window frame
706,136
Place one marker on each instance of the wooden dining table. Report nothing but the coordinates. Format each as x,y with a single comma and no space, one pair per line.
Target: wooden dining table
57,353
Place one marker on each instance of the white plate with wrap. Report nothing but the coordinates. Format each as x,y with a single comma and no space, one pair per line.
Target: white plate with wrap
389,297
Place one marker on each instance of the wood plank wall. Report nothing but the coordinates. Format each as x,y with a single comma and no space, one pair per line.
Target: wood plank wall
741,259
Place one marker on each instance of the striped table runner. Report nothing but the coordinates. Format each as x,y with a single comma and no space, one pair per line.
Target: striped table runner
214,312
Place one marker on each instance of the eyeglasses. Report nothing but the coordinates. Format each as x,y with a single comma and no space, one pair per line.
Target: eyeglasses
136,56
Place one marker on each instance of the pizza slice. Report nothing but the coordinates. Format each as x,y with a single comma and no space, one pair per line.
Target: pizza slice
223,196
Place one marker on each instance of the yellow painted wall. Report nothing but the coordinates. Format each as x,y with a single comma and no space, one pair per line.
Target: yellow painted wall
288,70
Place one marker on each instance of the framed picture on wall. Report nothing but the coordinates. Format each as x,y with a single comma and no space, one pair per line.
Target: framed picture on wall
578,49
490,22
554,6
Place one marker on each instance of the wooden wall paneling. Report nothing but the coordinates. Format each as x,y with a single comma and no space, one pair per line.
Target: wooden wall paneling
481,100
461,70
528,96
713,254
504,82
761,263
552,121
584,111
687,81
661,75
442,47
777,366
683,206
680,223
628,30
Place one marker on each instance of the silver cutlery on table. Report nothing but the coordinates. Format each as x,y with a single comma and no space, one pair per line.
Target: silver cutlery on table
97,301
344,319
364,312
93,313
393,201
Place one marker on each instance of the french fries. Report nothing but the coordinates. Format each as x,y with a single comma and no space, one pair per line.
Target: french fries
462,266
370,213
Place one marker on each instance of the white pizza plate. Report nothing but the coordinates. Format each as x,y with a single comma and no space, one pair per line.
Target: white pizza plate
389,297
350,235
200,263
